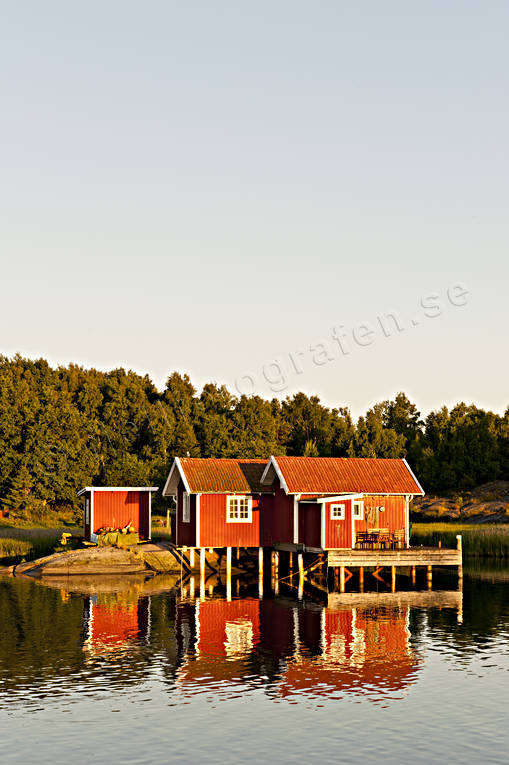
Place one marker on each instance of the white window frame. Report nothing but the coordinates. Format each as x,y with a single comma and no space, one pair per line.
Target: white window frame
342,513
360,504
87,511
186,507
229,501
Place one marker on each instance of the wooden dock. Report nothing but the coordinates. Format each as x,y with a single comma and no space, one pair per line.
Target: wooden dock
411,556
337,601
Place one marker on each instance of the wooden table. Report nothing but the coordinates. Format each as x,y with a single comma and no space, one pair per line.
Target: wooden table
373,538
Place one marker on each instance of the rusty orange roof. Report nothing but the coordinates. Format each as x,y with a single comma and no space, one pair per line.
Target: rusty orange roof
340,475
223,475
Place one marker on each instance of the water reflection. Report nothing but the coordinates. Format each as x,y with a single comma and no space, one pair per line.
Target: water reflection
116,633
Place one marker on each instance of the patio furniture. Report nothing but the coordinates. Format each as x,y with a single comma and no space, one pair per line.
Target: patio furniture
398,539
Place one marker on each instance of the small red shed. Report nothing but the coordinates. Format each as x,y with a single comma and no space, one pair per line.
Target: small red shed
116,507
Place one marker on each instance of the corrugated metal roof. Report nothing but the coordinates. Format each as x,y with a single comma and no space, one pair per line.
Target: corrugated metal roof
224,475
338,475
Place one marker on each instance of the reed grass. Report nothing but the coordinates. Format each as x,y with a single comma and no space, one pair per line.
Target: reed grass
18,544
478,541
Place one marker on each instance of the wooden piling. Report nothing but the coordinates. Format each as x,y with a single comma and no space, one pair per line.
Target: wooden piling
459,545
429,576
228,573
361,578
393,578
260,562
202,563
341,578
413,575
191,557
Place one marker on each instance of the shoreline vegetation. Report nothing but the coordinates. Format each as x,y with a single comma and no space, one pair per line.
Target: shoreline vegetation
67,427
20,544
478,541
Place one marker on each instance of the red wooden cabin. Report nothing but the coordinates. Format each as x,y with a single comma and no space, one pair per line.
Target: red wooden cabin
323,503
221,503
116,507
336,498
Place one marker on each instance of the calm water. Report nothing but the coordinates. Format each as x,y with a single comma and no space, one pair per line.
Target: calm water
136,671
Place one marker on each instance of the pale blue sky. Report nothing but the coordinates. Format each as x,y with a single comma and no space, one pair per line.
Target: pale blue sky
211,187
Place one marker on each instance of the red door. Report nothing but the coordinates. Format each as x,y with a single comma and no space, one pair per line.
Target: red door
312,525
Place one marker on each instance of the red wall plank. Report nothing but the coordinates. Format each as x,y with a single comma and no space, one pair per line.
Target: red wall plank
338,534
186,532
215,531
118,508
393,518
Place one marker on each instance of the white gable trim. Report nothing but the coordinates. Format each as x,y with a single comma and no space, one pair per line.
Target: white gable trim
273,463
413,476
117,488
175,468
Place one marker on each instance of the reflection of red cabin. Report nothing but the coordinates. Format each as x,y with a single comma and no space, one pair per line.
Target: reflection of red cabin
111,626
349,650
311,650
116,507
319,502
225,633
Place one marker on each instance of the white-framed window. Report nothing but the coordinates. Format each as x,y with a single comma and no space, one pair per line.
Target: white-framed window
87,510
186,508
358,511
239,509
337,512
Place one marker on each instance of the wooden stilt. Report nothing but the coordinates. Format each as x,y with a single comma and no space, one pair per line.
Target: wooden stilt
276,565
361,578
228,573
429,576
191,557
300,561
211,590
260,561
202,573
290,562
459,544
341,578
393,578
413,575
191,588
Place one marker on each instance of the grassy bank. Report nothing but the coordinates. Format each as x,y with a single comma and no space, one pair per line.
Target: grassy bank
18,544
478,541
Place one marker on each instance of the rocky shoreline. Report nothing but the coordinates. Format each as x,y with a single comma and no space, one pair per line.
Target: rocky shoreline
151,558
488,503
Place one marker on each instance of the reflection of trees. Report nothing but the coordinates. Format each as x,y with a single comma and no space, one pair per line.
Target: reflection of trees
46,637
485,614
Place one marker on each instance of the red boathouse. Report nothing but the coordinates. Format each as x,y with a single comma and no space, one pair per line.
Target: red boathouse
116,507
321,503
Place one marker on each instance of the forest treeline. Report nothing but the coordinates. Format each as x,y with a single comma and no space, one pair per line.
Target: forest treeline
64,428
